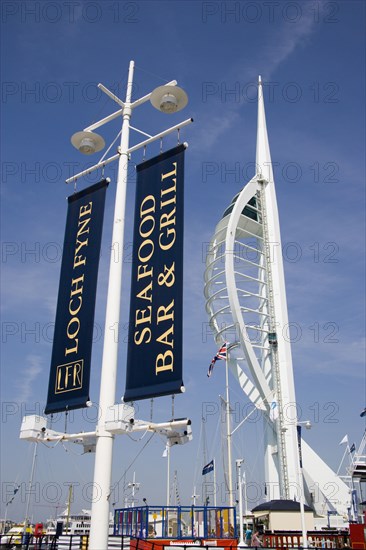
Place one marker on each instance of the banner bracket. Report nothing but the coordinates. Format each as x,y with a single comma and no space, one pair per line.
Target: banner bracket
130,150
66,415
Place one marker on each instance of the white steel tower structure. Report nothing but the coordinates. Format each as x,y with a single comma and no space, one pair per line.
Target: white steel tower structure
246,302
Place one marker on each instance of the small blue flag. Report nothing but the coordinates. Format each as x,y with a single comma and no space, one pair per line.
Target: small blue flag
208,468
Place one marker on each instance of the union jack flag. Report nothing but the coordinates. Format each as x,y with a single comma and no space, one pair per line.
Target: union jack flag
221,354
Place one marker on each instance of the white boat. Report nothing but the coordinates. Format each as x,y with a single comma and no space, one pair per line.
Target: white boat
15,535
73,524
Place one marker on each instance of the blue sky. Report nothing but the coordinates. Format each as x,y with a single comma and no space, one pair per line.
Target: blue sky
311,56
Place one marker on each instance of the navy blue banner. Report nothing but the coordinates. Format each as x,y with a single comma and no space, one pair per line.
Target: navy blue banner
154,357
72,343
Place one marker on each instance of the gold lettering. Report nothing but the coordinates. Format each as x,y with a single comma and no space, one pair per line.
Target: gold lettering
143,294
170,242
171,189
150,230
169,201
163,315
69,377
164,361
83,225
163,339
143,272
78,290
172,173
145,211
165,219
81,244
142,245
79,260
73,350
67,374
58,387
138,338
71,322
142,317
75,311
77,375
85,209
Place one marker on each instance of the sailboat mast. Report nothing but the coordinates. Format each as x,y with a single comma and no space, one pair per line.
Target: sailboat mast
215,487
68,509
205,460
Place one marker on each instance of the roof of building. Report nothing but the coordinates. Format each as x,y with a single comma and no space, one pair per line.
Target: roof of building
281,506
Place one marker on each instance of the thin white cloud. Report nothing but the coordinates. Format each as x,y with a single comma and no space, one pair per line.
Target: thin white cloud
25,381
272,54
23,285
295,34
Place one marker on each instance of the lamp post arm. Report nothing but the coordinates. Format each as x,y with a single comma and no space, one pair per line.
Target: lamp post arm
118,113
147,96
111,95
103,121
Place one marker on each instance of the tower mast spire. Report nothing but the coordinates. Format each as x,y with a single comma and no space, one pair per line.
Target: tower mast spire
279,362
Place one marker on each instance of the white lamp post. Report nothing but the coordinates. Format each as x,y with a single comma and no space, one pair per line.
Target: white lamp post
167,99
241,542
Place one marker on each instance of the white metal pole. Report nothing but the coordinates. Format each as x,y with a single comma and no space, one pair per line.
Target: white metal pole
104,440
215,489
26,519
6,517
133,489
241,528
245,493
301,489
302,511
228,437
228,433
168,477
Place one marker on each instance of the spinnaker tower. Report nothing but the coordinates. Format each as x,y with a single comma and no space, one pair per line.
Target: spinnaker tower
246,302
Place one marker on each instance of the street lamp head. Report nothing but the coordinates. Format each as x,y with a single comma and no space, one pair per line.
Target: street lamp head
308,425
87,142
169,99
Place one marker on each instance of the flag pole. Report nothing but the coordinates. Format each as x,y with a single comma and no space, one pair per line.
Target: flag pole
228,431
215,498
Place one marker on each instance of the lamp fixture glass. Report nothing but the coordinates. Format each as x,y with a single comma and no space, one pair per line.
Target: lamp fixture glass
169,99
87,142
